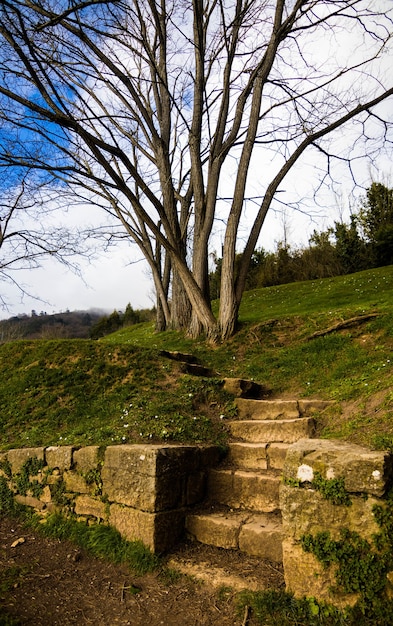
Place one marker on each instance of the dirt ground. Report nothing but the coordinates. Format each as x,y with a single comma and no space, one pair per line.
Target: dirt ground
45,582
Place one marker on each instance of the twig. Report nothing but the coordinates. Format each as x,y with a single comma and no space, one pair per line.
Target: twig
247,615
274,568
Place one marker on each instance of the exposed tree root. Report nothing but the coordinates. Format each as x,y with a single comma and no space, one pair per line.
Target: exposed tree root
353,321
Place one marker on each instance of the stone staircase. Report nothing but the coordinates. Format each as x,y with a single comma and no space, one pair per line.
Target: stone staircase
242,508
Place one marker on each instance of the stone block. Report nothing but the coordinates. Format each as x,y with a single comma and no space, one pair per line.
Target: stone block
363,470
158,531
149,478
244,490
31,501
305,576
54,477
59,457
267,409
51,507
242,388
276,454
285,431
18,457
262,537
215,529
46,495
178,459
86,505
129,476
248,455
75,483
86,459
305,511
209,456
196,488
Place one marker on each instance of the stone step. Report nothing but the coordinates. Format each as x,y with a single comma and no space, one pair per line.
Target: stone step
277,431
248,455
257,456
241,489
278,409
241,388
218,568
258,535
266,409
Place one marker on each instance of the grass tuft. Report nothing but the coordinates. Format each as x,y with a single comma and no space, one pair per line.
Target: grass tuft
101,541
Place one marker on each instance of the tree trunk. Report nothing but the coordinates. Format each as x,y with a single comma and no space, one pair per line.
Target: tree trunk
229,311
180,306
160,317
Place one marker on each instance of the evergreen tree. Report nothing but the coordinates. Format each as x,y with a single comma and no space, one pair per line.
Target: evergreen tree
376,217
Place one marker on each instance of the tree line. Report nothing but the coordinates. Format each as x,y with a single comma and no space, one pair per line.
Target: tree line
117,319
90,324
363,243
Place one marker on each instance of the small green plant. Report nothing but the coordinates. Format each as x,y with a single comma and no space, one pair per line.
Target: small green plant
8,506
279,608
382,442
23,479
291,482
332,489
170,576
5,467
58,493
93,477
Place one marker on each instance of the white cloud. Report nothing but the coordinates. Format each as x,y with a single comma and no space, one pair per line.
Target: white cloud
108,283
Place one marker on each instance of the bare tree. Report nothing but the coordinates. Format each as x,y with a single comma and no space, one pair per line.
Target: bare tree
26,236
156,109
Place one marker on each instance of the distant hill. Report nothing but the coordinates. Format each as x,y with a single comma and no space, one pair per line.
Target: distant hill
67,325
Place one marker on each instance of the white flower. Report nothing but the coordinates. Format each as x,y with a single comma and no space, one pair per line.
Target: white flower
305,473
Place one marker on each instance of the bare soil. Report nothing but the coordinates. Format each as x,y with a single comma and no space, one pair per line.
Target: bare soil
45,582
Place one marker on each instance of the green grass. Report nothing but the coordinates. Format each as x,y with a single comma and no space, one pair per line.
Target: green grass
120,390
84,392
99,540
279,608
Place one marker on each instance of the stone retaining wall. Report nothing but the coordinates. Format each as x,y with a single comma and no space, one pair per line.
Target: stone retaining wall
143,491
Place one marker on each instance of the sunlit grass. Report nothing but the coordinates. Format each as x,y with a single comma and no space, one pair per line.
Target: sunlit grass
100,541
121,390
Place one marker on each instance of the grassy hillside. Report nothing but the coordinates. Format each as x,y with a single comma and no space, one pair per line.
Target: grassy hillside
119,389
